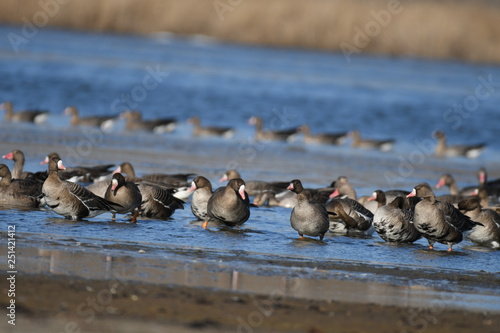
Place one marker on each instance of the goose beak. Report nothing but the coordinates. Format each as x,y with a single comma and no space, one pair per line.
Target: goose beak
241,191
334,194
193,187
118,170
8,156
114,184
412,194
373,197
223,178
45,161
290,187
60,165
440,183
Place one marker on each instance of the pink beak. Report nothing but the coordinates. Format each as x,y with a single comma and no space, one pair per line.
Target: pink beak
8,156
118,170
193,187
60,165
223,178
440,183
482,178
45,161
334,194
290,187
373,197
412,194
114,184
241,191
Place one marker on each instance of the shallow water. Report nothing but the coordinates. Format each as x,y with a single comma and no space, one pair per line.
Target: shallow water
225,85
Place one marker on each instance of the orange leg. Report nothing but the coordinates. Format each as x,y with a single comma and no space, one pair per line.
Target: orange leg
134,217
431,247
205,224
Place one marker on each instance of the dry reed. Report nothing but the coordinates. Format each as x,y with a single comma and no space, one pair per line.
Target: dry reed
466,30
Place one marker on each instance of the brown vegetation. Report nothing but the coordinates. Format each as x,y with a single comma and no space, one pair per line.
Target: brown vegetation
467,30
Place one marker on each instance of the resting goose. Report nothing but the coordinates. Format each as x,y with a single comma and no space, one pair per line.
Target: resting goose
308,217
134,122
201,131
322,138
348,216
443,150
265,135
202,191
106,123
255,187
487,232
124,193
343,189
32,116
18,192
438,221
70,199
83,174
393,223
229,205
283,199
358,142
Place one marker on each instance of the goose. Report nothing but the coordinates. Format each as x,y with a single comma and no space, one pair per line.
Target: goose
487,232
254,187
286,199
343,189
83,174
124,193
322,138
18,157
307,217
202,191
32,116
201,131
71,200
134,122
491,186
348,216
106,123
229,205
394,224
454,196
18,192
443,150
358,142
157,202
266,135
438,221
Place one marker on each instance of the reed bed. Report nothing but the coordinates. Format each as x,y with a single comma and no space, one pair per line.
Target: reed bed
465,30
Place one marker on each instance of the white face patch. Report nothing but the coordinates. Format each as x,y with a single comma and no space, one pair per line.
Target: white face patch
241,190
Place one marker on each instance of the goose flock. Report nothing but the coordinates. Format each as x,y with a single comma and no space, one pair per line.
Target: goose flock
398,216
135,122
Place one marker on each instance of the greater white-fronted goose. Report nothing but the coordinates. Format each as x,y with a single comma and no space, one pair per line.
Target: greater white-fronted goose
348,216
134,122
157,202
200,131
322,138
106,123
487,232
394,224
124,193
70,199
358,142
491,186
82,174
308,217
202,191
286,199
454,196
176,184
438,221
343,189
229,205
18,157
31,116
255,187
266,135
443,150
18,192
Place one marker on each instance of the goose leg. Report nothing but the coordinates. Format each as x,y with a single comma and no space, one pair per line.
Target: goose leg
134,217
431,245
205,225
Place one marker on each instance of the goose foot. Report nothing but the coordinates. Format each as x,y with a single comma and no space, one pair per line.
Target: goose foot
205,225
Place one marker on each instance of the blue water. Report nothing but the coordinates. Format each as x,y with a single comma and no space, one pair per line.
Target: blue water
404,99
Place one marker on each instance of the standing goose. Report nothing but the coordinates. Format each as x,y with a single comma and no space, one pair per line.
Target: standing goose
393,223
18,157
124,193
106,123
322,138
348,216
32,116
229,204
202,191
72,200
438,221
157,202
443,150
308,217
262,135
18,192
134,122
199,130
487,232
358,142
